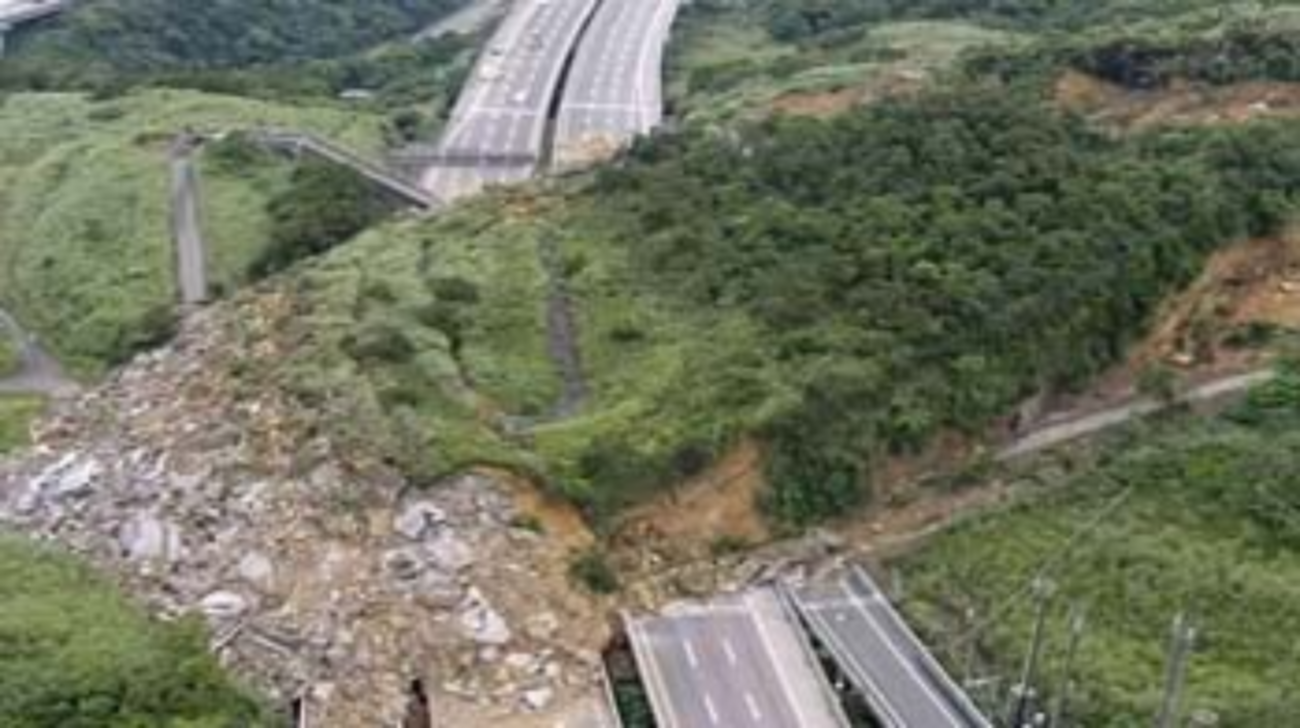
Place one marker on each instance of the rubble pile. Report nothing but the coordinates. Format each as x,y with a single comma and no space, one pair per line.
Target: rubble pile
319,578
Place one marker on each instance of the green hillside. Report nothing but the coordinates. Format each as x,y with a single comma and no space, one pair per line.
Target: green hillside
78,654
843,289
1195,518
85,247
150,35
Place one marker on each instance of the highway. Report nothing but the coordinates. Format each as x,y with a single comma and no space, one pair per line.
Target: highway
503,110
738,661
904,685
615,88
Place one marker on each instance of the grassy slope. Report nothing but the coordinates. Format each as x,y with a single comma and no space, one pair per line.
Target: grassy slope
16,414
9,359
755,68
85,248
71,640
636,348
1210,529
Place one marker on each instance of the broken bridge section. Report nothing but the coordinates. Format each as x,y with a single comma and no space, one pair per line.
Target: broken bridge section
882,657
738,661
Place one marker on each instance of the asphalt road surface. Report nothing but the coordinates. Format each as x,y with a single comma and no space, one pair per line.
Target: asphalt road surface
737,662
615,87
905,687
502,112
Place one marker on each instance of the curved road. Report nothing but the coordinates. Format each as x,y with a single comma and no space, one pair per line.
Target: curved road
615,87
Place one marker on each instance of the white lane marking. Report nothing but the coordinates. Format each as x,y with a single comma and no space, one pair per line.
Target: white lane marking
660,699
690,654
752,704
729,651
837,645
710,709
755,618
908,666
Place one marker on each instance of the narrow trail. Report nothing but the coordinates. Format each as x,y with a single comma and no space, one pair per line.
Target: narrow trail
191,253
39,372
1069,429
562,339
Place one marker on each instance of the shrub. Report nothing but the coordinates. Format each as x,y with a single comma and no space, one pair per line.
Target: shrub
592,570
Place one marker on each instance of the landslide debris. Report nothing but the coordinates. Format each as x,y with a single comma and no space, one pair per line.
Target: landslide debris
321,575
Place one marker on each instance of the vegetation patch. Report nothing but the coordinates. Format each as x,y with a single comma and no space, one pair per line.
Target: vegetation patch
843,289
10,356
17,412
85,248
77,654
1199,518
726,63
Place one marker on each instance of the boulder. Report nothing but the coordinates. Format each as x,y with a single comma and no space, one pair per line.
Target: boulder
418,520
538,699
221,606
145,537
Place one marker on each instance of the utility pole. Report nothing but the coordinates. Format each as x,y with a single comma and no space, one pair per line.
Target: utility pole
1061,701
1018,703
1181,644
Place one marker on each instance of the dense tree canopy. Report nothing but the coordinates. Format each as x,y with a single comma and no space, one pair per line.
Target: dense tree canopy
796,19
142,35
921,266
76,655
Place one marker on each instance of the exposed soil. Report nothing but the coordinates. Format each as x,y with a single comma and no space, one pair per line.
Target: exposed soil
1180,104
825,104
721,504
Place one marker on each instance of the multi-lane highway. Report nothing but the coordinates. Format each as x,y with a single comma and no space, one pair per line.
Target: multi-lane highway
497,130
615,88
736,662
882,657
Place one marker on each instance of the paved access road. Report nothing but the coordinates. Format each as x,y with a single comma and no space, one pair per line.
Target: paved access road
736,662
497,130
904,685
615,87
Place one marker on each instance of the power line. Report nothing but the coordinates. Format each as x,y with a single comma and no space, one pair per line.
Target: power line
1050,564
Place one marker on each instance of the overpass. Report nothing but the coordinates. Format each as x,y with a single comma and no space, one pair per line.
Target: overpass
298,143
14,13
738,661
886,662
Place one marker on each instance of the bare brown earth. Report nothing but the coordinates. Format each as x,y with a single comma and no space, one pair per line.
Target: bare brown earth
1181,104
825,104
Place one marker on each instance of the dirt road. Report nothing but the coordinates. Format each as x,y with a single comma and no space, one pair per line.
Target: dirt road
1067,430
